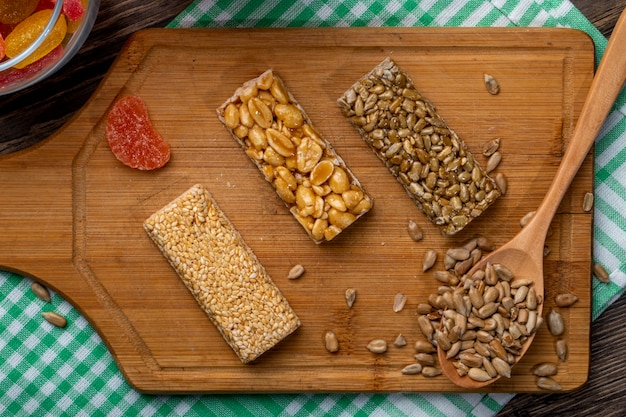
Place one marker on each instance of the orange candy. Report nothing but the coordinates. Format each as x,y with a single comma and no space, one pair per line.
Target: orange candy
132,136
14,11
28,30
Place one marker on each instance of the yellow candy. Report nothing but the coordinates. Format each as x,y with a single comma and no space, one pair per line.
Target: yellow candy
28,30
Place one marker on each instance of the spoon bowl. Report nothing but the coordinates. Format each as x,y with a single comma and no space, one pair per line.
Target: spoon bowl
518,255
523,255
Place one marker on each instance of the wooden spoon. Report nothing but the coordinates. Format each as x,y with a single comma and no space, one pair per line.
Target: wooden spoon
523,255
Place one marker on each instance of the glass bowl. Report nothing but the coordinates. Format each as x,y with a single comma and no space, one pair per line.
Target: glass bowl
71,44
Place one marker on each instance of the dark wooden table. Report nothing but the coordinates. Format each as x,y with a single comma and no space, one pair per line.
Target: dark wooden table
32,115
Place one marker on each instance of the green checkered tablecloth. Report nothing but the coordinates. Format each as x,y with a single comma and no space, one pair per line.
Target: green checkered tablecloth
48,371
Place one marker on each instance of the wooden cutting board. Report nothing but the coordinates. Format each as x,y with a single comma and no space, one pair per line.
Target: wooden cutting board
71,214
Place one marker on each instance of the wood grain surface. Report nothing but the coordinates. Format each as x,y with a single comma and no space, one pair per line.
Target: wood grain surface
34,114
88,243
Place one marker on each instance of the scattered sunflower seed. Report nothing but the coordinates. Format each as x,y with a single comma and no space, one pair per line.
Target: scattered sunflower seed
544,369
458,254
429,259
561,349
546,250
527,218
377,346
485,244
588,202
555,323
491,147
296,272
430,371
331,342
424,308
547,383
398,302
40,291
493,162
426,359
350,296
491,84
400,341
601,273
54,318
415,231
565,300
412,369
423,346
502,182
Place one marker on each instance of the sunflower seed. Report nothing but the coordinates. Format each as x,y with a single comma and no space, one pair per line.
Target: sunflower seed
424,358
601,273
458,254
526,218
331,342
485,244
462,267
424,308
461,368
491,84
448,262
547,383
350,296
377,346
479,374
400,341
565,300
454,350
430,371
503,272
588,202
415,231
532,299
398,302
544,369
493,162
502,182
442,340
54,319
561,349
489,368
521,282
491,147
423,346
412,369
40,291
555,323
296,272
502,367
429,259
446,277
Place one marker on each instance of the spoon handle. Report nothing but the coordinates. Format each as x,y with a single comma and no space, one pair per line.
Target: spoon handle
605,87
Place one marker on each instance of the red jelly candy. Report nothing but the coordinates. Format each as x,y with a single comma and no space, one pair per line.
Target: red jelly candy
132,137
73,9
17,75
46,4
